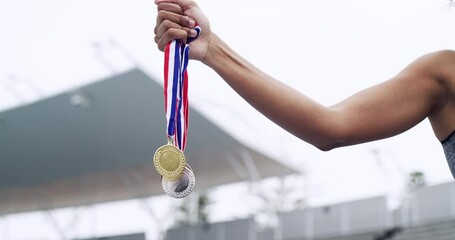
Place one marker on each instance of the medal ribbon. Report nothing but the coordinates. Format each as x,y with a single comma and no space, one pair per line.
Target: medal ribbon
176,56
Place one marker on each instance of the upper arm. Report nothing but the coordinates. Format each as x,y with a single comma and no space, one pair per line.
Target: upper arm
393,106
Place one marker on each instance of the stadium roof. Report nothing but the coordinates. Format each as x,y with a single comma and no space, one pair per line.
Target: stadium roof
95,144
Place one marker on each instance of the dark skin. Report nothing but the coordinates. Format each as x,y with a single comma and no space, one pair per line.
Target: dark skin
423,89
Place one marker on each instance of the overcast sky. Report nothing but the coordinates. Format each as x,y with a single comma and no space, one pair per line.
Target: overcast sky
326,49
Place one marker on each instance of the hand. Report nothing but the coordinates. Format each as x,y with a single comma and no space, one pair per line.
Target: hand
176,20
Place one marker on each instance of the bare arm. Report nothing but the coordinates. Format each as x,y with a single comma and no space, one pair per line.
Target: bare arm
378,112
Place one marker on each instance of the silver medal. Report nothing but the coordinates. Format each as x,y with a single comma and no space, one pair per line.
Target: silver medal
181,187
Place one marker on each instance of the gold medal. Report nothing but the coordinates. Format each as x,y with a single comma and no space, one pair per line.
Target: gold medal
169,161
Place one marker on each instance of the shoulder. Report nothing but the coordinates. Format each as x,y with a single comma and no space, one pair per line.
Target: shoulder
440,67
435,73
439,56
440,64
437,68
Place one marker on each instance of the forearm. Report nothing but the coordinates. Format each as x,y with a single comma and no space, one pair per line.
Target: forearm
282,104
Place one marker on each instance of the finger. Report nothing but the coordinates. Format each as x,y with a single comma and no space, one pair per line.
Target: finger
179,19
170,35
170,7
184,4
166,25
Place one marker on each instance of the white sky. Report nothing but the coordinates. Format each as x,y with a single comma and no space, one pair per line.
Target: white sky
326,49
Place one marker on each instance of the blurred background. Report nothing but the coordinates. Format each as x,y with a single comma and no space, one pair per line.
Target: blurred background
81,115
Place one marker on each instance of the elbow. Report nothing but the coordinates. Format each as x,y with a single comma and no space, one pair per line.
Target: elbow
327,146
332,133
336,136
329,141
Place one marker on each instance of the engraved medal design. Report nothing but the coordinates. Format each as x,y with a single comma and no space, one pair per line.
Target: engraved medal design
169,161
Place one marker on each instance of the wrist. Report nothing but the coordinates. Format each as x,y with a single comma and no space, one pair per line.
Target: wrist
214,50
221,58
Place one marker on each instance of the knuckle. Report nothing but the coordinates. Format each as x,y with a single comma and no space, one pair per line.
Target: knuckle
162,6
161,45
183,20
161,15
172,32
167,24
192,3
175,34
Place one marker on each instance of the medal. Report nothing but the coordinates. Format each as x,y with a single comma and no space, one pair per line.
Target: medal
169,161
177,177
182,186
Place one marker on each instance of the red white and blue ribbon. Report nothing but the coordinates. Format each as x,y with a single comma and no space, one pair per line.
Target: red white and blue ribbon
176,56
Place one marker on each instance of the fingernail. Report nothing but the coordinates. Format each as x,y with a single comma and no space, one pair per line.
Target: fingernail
193,33
191,22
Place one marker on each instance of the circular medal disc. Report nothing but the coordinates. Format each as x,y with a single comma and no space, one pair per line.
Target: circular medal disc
169,162
181,187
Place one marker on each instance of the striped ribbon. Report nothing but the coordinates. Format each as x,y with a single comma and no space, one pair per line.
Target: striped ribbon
176,56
